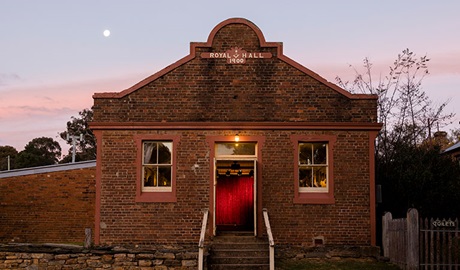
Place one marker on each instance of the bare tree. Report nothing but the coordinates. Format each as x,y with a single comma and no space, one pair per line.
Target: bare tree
404,109
410,171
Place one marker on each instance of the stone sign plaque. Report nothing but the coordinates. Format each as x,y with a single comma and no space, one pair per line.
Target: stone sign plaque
236,55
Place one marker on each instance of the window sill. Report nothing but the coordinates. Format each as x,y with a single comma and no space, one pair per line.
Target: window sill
314,198
156,197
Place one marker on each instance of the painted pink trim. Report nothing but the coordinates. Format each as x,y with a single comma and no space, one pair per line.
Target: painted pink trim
373,215
97,214
235,125
208,44
246,22
155,196
313,197
260,140
322,80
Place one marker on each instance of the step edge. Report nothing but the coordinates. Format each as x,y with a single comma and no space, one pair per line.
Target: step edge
247,264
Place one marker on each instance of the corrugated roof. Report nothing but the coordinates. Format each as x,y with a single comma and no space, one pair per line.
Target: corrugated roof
49,168
452,148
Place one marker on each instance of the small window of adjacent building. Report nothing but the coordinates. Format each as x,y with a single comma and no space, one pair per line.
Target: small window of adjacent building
313,165
156,167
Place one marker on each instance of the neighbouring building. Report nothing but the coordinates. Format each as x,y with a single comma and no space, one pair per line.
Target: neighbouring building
453,151
47,204
235,127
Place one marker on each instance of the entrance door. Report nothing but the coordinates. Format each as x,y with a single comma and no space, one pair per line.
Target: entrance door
235,200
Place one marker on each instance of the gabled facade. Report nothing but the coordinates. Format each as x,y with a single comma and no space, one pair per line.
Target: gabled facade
234,127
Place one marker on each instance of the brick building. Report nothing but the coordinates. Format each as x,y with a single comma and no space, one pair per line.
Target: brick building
234,127
48,204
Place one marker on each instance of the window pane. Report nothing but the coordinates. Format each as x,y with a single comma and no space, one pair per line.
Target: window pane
164,152
313,167
305,176
305,153
230,149
150,176
319,153
150,153
319,177
164,176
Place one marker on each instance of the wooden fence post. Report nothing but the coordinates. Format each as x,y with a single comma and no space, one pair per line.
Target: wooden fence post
412,239
385,234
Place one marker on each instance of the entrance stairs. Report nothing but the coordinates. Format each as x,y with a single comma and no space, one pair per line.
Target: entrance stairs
238,250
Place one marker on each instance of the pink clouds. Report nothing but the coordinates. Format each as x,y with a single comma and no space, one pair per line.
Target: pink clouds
445,63
7,78
28,112
441,84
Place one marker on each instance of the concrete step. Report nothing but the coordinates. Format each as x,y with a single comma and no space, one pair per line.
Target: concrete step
238,237
238,240
239,246
240,260
240,267
238,250
234,253
235,233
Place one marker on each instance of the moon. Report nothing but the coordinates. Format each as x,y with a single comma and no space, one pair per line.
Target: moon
106,33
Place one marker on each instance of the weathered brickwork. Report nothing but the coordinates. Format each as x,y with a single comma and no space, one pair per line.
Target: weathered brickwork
272,99
212,90
53,207
129,222
345,222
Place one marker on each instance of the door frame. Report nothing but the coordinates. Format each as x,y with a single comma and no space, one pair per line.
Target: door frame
259,140
254,186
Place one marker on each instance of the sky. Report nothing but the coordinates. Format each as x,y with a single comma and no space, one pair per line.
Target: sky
54,56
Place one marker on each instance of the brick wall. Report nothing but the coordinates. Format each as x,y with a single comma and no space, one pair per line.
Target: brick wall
258,91
52,207
208,91
126,221
346,222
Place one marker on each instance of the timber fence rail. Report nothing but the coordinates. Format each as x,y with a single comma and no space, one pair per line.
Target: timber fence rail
439,244
415,243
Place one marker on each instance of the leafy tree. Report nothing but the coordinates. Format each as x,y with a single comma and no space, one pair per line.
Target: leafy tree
412,173
454,136
39,152
5,152
419,177
86,148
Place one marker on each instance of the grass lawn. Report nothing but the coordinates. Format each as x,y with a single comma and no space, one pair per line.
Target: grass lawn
335,264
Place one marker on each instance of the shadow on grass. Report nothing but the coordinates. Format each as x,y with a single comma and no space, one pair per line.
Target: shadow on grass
335,264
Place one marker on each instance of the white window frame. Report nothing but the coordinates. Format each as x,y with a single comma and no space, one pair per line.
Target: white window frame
157,166
312,165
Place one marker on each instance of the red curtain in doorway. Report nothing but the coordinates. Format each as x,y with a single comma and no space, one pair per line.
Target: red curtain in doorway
235,200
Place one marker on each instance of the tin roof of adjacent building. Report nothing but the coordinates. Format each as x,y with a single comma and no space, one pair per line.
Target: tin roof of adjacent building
452,148
48,169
